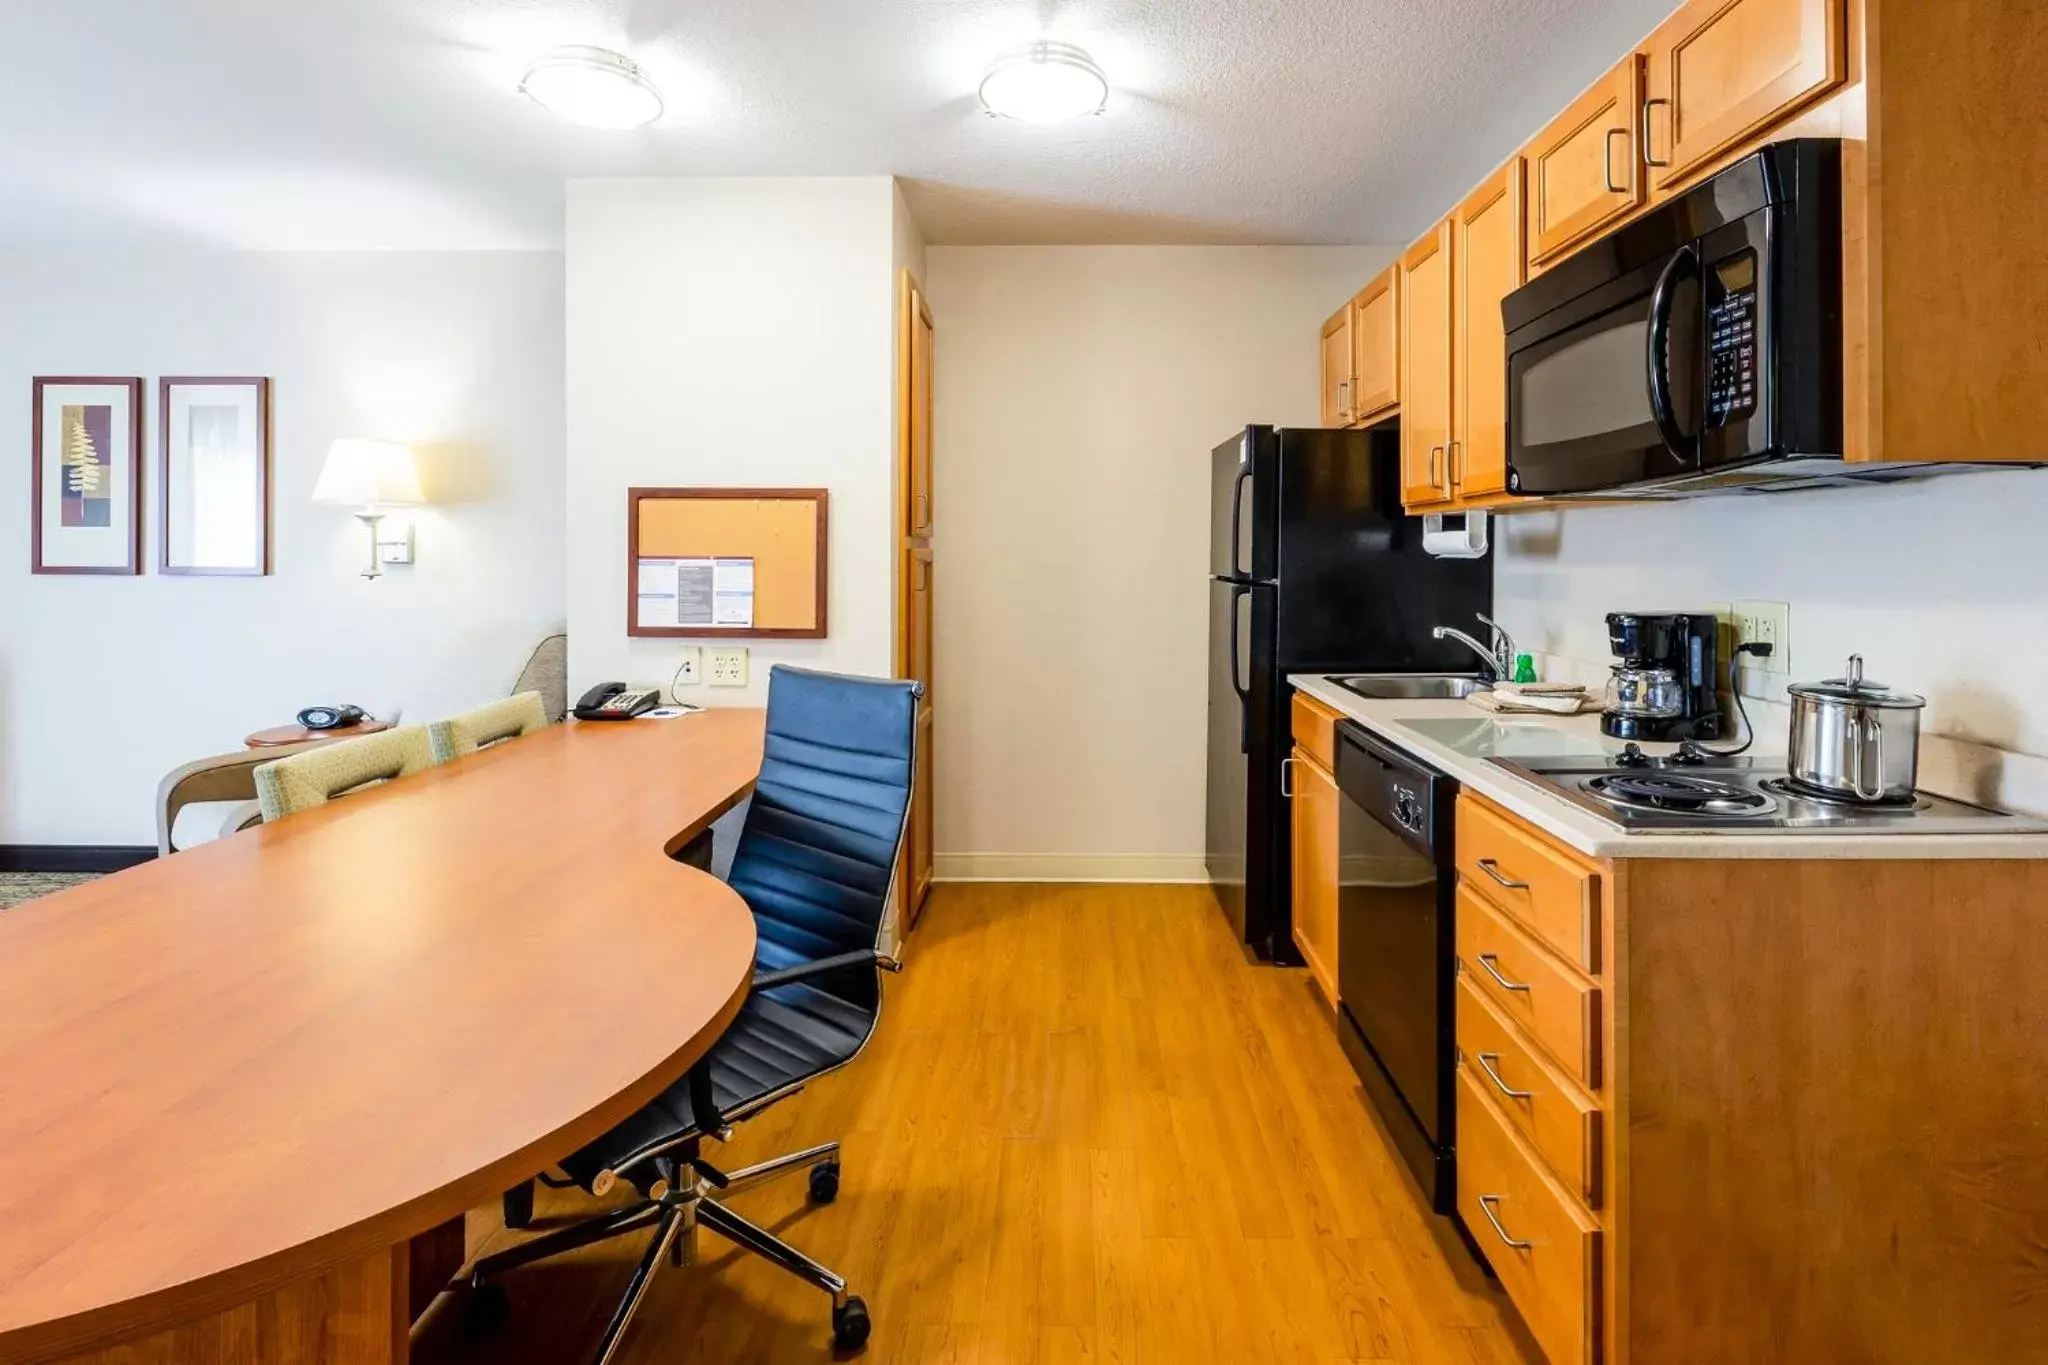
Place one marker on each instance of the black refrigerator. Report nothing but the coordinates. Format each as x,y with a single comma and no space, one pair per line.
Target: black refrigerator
1313,568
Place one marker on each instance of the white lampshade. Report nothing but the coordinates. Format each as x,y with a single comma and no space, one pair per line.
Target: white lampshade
365,473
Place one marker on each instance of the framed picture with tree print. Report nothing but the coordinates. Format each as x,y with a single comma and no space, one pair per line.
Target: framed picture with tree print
86,503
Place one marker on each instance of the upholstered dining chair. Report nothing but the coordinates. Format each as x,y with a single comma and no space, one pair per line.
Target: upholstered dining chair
487,725
219,793
330,770
814,863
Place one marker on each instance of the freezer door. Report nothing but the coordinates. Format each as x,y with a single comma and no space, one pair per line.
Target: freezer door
1230,622
1241,506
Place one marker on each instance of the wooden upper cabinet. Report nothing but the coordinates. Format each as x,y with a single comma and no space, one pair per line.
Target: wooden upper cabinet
1337,378
1486,266
1426,368
1585,168
1376,346
1722,71
918,521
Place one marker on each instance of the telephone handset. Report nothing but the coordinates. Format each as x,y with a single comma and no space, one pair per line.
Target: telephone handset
616,701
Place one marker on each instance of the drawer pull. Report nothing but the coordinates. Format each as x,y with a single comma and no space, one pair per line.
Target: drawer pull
1486,1203
1492,869
1486,1061
1487,960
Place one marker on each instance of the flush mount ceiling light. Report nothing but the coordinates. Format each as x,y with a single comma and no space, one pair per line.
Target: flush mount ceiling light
592,86
1045,83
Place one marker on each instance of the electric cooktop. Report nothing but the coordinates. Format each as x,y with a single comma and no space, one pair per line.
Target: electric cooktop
1696,788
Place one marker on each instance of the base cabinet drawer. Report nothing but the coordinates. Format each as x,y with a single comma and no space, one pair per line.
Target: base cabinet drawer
1552,894
1553,1004
1554,1116
1542,1244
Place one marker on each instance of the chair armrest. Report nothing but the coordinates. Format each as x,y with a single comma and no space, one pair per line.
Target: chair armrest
245,816
224,777
861,958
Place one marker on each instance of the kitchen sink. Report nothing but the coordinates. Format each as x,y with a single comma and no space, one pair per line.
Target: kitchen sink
1412,686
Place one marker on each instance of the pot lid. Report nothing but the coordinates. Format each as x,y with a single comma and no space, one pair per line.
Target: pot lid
1854,687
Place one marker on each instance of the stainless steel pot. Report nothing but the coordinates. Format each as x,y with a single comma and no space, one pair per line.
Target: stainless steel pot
1855,740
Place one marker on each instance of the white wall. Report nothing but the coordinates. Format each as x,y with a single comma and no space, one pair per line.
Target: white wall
1938,584
1079,393
107,683
736,332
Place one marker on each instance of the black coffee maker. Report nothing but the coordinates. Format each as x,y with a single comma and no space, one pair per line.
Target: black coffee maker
1664,686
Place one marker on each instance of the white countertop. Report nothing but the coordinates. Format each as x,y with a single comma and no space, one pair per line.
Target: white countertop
1465,759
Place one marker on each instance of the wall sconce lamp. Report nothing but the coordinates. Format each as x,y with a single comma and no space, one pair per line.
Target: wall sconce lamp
373,476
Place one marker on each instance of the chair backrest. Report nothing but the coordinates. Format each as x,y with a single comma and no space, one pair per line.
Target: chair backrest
547,672
819,846
224,780
500,720
315,776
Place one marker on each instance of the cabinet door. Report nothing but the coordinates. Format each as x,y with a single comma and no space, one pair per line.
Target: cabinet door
1376,346
919,520
1337,378
1723,71
1486,262
1426,369
1584,169
1316,815
917,607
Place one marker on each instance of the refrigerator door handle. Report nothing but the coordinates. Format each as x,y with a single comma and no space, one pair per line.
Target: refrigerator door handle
1244,472
1238,593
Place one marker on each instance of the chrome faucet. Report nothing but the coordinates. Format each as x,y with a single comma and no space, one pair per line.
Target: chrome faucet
1498,653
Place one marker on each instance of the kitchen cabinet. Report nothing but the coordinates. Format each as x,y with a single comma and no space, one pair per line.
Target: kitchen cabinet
1316,811
1487,257
920,516
1722,72
1376,347
1337,376
1585,168
1426,369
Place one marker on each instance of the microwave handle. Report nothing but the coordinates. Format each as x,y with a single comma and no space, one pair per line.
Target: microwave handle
1660,355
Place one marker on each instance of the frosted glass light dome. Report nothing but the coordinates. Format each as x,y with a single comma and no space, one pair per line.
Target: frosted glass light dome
592,86
1046,83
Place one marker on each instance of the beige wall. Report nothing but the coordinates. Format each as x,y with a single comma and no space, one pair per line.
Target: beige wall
1079,393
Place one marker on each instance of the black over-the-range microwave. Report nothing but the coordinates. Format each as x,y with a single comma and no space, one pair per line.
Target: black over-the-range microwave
1698,347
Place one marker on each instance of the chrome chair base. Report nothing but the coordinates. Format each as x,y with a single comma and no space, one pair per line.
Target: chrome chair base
684,1198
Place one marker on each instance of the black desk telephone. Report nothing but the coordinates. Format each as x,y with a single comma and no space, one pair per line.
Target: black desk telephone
616,701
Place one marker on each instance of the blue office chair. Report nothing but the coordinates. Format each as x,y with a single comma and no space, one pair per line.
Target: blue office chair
814,863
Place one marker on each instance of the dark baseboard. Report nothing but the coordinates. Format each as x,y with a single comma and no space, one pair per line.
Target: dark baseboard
73,857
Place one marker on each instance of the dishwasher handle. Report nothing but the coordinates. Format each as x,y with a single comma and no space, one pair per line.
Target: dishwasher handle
1406,796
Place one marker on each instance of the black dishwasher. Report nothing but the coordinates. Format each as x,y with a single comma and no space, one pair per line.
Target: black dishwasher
1395,947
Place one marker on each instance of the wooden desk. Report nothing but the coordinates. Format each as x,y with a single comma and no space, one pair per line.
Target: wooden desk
235,1082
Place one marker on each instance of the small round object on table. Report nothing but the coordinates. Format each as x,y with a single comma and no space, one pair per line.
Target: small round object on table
299,734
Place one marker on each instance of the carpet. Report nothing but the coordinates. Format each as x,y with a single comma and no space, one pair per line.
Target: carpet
16,887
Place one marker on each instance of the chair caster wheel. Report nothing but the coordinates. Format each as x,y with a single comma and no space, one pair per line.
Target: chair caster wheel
850,1324
485,1310
825,1188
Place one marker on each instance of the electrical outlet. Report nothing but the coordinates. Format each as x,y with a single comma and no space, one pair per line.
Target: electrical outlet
726,667
1766,623
689,666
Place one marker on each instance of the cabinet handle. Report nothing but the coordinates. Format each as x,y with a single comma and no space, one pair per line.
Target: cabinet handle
1435,454
1286,777
1649,157
1343,398
1486,1061
1486,1203
1487,960
1492,869
1451,468
1607,161
924,503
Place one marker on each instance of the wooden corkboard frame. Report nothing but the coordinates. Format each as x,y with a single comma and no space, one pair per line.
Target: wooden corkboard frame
812,630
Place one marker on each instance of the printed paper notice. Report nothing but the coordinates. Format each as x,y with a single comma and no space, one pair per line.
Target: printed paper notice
732,590
694,579
656,593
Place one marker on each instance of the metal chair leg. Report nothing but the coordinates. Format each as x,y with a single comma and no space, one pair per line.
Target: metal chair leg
766,1171
643,1275
769,1247
603,1228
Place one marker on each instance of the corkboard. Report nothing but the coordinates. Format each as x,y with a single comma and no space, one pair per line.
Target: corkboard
781,529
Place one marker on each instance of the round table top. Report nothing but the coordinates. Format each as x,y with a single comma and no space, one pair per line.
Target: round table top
299,734
263,1056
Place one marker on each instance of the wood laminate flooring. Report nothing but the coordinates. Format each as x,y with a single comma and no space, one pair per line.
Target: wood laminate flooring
1087,1131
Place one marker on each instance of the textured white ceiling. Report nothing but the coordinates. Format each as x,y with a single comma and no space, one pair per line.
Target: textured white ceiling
305,124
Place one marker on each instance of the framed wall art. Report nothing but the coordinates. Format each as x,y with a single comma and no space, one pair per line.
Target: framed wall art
86,486
213,476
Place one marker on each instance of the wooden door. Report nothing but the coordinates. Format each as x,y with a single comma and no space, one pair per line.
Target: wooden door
918,417
1584,169
1487,265
917,625
1722,71
916,875
1376,347
1426,369
1337,378
1316,813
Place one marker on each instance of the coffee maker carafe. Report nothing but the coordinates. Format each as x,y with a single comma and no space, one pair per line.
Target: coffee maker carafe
1663,688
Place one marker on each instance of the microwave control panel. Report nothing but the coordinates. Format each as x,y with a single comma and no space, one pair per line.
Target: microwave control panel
1731,339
